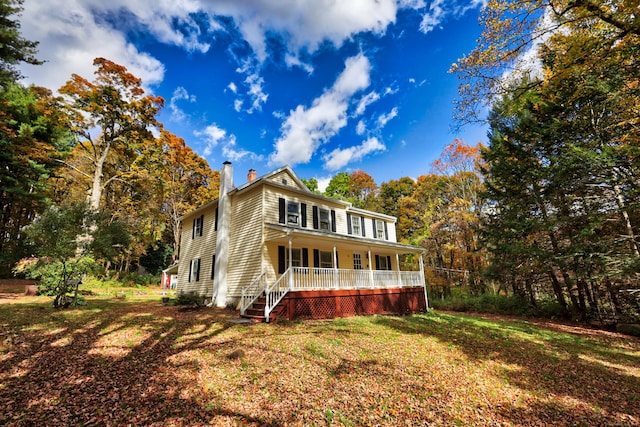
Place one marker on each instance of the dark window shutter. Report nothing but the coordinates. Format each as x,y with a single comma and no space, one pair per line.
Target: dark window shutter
316,219
201,224
190,269
305,257
303,214
386,233
213,266
198,270
375,233
333,220
282,210
281,260
377,262
193,230
388,262
337,260
316,258
215,227
349,224
362,225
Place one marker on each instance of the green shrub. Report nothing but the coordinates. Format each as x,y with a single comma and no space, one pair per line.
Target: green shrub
629,329
190,299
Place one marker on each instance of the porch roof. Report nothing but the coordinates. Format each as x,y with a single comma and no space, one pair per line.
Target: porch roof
320,239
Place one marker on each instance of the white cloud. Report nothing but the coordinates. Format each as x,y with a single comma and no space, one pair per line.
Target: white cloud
305,129
383,119
216,136
237,105
434,17
339,158
179,94
213,135
361,128
232,87
70,38
256,91
323,182
365,101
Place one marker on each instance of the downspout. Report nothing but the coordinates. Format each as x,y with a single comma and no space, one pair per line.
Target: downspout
220,285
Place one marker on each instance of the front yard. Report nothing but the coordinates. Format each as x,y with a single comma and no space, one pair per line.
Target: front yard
134,361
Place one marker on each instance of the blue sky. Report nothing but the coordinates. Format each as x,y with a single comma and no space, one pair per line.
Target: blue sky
323,86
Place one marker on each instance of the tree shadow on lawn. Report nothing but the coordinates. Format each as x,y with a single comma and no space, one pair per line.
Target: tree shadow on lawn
112,366
550,365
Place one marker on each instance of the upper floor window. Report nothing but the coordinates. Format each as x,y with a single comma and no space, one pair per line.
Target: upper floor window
198,226
355,225
325,219
380,229
293,213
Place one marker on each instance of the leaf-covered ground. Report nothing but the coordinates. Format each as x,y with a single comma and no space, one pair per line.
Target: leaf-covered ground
135,362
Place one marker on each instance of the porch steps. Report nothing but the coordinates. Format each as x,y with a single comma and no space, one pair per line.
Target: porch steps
256,311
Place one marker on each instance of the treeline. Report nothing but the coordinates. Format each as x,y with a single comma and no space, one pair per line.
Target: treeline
97,147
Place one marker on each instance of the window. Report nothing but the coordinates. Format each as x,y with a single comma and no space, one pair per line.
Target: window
198,224
379,229
325,219
194,270
383,262
356,225
326,259
357,262
213,266
299,258
296,257
293,212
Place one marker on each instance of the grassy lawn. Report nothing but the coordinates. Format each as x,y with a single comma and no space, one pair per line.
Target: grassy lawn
134,361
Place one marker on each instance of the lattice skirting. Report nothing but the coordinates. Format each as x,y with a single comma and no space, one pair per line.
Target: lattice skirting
330,304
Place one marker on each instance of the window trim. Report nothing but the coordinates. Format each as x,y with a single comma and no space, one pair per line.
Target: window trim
198,226
297,213
194,270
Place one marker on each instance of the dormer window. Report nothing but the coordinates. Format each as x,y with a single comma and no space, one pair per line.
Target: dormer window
293,213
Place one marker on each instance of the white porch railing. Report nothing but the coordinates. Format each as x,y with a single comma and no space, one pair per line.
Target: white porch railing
308,279
276,292
253,292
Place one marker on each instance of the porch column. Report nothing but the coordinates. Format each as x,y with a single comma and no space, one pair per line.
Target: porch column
398,267
335,268
426,299
370,270
290,264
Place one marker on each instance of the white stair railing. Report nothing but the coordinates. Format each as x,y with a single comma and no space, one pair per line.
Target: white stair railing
275,293
252,292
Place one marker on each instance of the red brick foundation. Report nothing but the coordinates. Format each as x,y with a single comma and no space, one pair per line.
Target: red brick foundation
346,303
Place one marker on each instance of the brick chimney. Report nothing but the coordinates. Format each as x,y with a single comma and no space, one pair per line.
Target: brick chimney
252,175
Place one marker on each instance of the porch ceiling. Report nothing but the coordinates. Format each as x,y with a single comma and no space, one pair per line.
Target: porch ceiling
323,240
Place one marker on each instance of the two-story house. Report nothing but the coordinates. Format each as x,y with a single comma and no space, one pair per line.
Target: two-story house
272,248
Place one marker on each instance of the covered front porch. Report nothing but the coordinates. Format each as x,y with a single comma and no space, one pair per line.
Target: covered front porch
317,287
